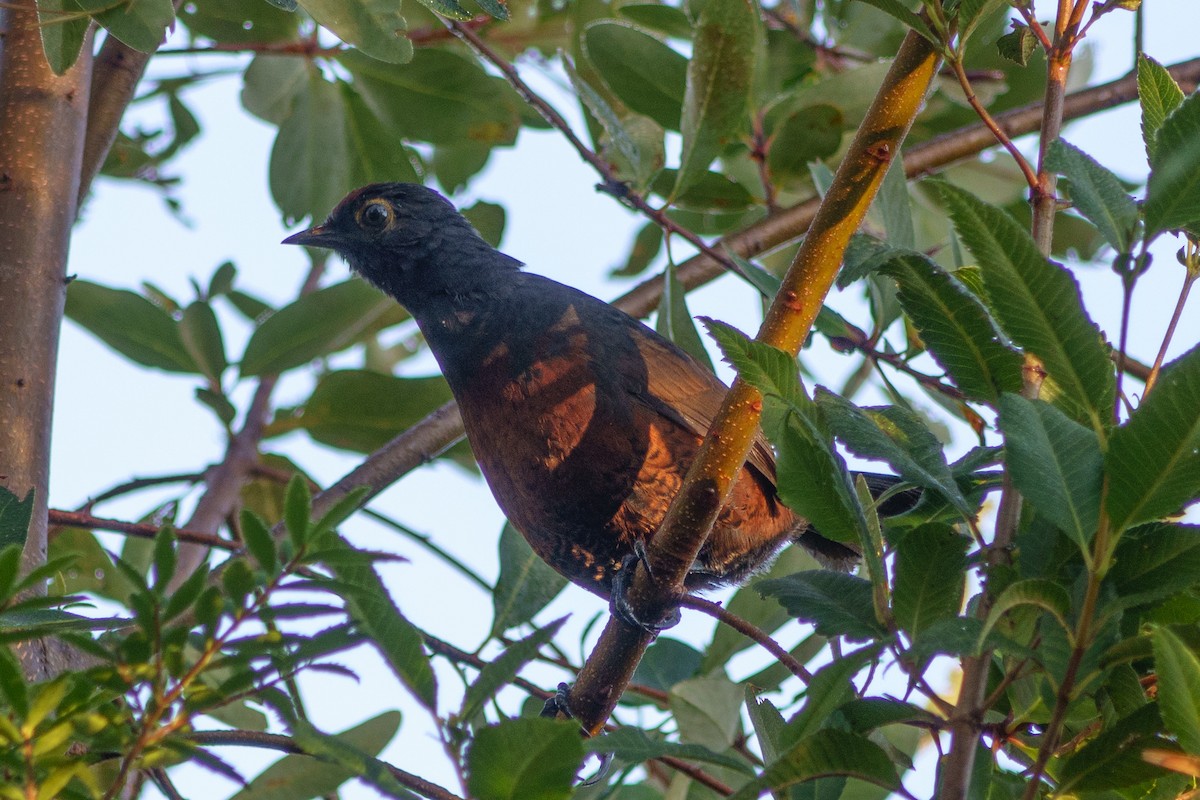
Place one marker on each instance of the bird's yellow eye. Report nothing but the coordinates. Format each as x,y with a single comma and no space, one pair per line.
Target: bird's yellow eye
376,215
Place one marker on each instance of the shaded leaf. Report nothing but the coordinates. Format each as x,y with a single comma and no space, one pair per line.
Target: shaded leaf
957,328
707,710
129,324
350,754
648,76
1153,460
62,38
1055,462
634,745
929,577
1173,189
666,663
1043,593
1178,669
1113,760
15,515
674,322
1096,193
141,24
1039,305
1154,561
826,752
501,670
376,27
524,759
806,135
309,169
1158,95
202,339
526,584
835,603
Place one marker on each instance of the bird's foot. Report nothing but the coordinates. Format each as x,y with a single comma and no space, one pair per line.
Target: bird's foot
620,605
559,704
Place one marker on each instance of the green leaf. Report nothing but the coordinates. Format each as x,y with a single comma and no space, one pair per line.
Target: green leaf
707,710
897,10
929,577
375,27
1017,45
439,97
501,670
636,139
339,757
770,370
894,206
397,639
1056,463
524,759
711,191
488,220
317,324
271,84
62,37
719,77
202,338
664,19
1039,305
129,324
897,436
806,135
826,752
259,543
957,328
633,746
1173,190
15,515
830,688
1154,561
361,410
375,154
876,712
1178,670
239,21
646,74
674,321
666,663
835,603
141,24
1040,592
1113,760
1159,95
297,507
646,246
526,584
1153,460
310,161
1097,194
165,557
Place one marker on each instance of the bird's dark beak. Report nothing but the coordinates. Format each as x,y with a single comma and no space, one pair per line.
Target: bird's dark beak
316,236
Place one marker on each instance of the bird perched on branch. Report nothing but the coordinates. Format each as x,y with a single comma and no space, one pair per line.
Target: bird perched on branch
583,420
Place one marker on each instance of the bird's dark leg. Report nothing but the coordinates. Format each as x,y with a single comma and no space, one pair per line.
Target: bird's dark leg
558,704
619,604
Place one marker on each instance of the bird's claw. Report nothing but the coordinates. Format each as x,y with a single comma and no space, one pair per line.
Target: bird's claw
559,704
619,604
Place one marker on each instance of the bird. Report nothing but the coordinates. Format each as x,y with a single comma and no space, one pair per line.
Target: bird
582,419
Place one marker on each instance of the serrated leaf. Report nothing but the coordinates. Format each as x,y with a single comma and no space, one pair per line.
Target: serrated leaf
524,759
1158,95
374,26
526,584
502,669
1113,760
15,515
829,688
646,74
339,757
957,328
826,752
1173,189
1043,593
719,76
929,577
897,436
397,639
1056,463
317,324
141,24
129,324
875,712
1096,193
1178,670
1154,561
1153,460
634,746
835,603
1039,305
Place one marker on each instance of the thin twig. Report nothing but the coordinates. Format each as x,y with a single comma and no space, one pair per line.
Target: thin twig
752,632
1188,280
76,519
981,111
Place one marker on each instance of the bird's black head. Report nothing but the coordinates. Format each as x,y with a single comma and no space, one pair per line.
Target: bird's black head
409,241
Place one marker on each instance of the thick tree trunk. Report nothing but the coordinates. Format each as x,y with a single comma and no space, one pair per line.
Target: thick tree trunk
42,122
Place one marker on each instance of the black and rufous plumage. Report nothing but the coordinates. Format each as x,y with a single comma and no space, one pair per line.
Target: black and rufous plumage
583,420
